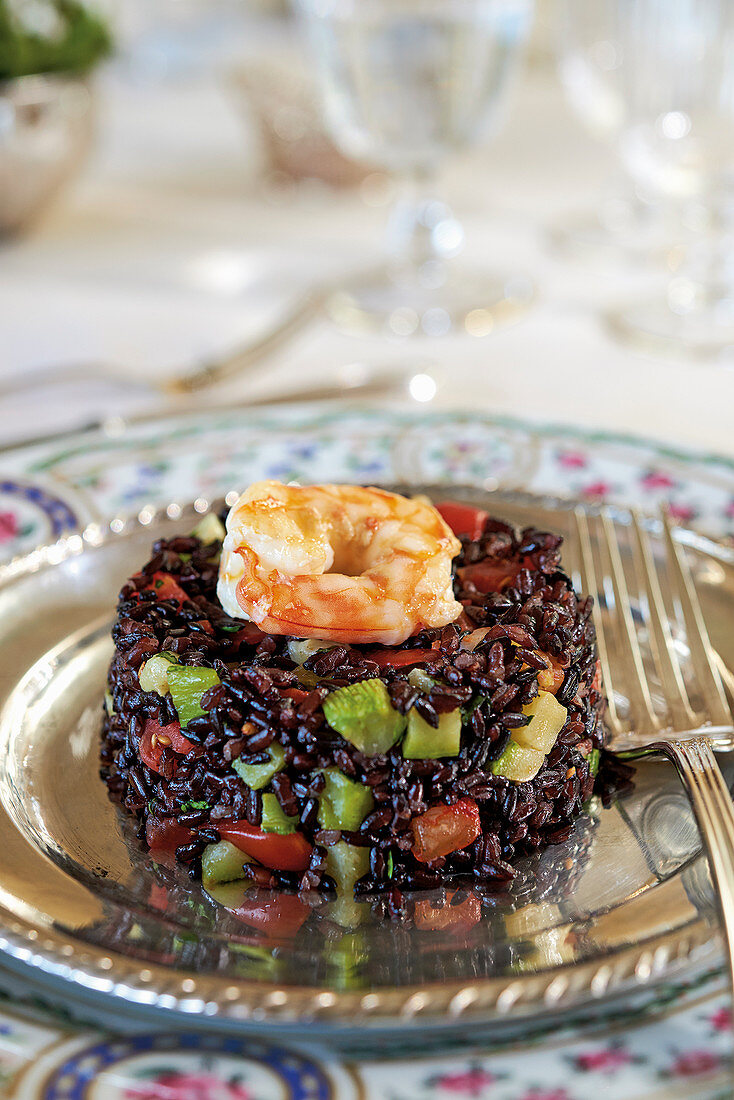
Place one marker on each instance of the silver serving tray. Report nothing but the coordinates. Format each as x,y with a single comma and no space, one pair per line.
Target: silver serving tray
625,902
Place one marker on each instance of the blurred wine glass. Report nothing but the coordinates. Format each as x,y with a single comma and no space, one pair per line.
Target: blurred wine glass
405,84
629,220
661,73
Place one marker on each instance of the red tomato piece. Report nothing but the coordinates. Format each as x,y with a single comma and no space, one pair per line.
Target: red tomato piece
277,915
459,918
165,834
250,633
463,519
295,694
550,678
400,658
156,737
166,587
445,829
490,576
289,852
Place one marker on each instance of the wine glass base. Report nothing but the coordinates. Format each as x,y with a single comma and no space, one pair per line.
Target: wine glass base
622,231
463,301
703,331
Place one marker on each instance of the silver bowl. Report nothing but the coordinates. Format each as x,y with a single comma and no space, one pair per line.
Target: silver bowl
45,132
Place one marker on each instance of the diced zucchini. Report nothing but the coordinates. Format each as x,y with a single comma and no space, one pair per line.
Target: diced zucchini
347,912
363,714
518,763
274,820
594,760
153,675
187,684
420,679
423,742
529,745
222,862
343,804
209,529
257,776
300,649
109,706
346,863
547,719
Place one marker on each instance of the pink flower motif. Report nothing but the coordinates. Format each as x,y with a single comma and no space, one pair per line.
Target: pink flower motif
695,1063
572,460
655,479
598,489
172,1085
472,1082
546,1094
722,1019
729,510
606,1060
681,512
8,526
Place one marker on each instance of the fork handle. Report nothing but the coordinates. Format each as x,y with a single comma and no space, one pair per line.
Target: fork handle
709,795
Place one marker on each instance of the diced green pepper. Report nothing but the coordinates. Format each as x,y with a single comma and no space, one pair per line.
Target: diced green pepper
419,679
518,763
274,820
153,675
258,776
187,684
209,529
594,760
423,742
363,714
343,804
222,862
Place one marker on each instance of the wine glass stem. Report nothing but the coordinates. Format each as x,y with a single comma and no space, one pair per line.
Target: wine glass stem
422,232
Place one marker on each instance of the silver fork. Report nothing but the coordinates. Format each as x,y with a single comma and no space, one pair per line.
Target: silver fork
692,724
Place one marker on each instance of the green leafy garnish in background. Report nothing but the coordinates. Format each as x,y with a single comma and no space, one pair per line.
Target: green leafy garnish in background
50,36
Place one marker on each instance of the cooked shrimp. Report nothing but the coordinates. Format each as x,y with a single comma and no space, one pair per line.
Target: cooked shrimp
338,562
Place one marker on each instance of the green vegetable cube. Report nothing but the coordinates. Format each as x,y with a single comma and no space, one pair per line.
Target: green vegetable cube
222,862
209,529
423,742
518,763
346,863
187,684
363,714
274,820
594,760
153,675
258,776
547,719
343,804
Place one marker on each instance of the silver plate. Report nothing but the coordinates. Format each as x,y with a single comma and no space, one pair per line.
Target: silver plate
625,901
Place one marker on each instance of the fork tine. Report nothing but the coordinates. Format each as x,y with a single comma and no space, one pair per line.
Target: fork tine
664,652
589,584
697,637
642,712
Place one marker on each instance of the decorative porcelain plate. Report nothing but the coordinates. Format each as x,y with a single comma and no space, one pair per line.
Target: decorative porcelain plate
626,901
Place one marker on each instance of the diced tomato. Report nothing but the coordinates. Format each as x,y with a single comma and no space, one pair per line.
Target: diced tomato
445,829
165,834
295,694
158,896
400,658
250,633
156,737
596,682
288,852
463,519
278,915
459,918
490,576
550,678
166,587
